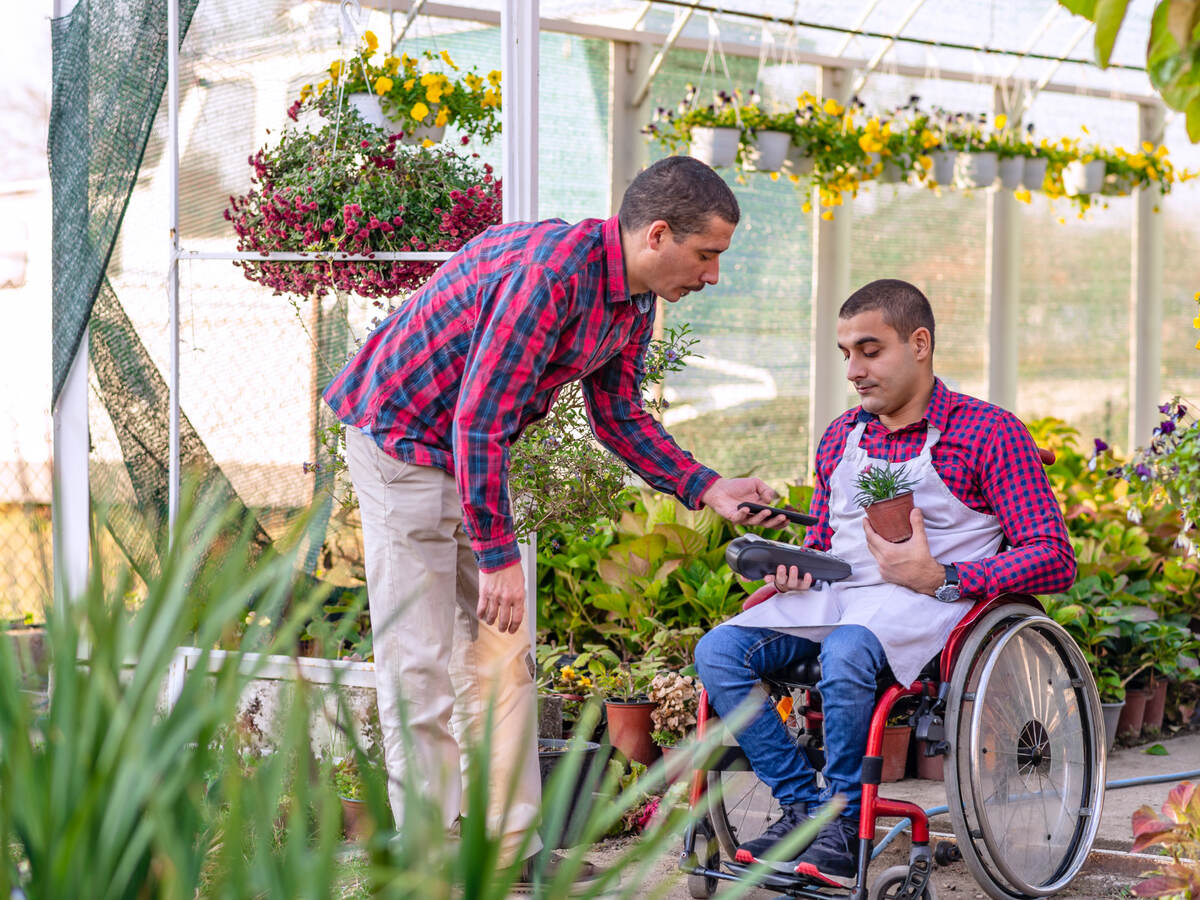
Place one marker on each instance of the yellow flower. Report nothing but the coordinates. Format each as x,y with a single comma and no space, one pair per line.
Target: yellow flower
391,65
408,85
494,77
926,162
1062,221
1083,128
321,87
568,674
429,79
827,215
870,143
419,111
1196,322
443,117
1023,195
929,139
474,82
1197,297
832,107
433,94
446,58
306,92
371,41
774,176
794,179
490,98
383,84
1001,121
1147,147
408,61
807,207
1198,345
335,69
427,143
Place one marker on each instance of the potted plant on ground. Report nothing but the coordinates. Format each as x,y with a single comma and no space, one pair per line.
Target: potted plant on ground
897,734
629,710
676,704
348,782
885,491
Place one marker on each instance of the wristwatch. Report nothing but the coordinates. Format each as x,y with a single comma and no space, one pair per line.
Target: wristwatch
949,592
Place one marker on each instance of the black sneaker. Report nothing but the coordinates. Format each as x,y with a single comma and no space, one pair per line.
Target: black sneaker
834,851
793,817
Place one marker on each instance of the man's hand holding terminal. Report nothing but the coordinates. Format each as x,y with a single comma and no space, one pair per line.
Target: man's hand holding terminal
502,598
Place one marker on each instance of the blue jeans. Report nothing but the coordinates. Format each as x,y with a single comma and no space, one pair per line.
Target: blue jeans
731,660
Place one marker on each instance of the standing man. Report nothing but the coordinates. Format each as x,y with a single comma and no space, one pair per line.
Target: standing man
978,484
433,401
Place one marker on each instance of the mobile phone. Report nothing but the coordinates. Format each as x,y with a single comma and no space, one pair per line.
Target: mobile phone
795,516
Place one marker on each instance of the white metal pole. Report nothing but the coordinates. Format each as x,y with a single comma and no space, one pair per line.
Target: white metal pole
70,509
1145,294
830,287
519,24
173,473
1002,286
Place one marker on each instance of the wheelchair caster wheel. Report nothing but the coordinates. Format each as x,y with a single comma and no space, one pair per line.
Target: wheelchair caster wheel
702,887
890,886
946,853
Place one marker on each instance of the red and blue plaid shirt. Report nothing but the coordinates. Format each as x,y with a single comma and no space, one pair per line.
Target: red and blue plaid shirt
988,460
453,376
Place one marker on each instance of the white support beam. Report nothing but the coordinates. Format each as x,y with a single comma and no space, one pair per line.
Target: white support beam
830,287
628,150
844,43
875,60
1145,295
676,30
734,48
519,124
173,459
1002,291
70,508
413,11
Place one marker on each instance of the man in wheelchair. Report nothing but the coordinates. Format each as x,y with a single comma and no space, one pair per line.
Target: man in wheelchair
978,485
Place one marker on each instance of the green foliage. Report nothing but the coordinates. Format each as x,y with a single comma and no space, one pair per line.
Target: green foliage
647,585
1173,53
1169,468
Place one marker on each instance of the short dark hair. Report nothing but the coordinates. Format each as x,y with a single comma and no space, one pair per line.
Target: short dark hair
683,192
903,305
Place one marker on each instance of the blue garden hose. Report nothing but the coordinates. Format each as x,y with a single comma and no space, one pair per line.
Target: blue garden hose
1110,786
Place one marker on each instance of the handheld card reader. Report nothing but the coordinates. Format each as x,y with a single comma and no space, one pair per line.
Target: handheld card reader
754,557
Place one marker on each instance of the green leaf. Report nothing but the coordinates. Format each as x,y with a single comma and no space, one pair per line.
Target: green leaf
1085,8
1182,17
1109,14
1193,120
1156,750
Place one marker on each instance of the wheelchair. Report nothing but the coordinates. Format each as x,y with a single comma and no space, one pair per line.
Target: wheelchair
1011,703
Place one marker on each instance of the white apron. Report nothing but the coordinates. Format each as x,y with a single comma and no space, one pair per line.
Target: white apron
912,627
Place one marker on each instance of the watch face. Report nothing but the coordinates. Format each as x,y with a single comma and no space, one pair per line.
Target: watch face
948,593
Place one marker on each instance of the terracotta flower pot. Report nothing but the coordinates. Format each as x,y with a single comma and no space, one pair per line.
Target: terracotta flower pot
895,751
675,759
890,518
1112,718
629,727
931,767
355,820
1130,723
1156,702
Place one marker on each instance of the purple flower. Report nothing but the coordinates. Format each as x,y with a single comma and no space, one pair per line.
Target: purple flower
1164,408
1143,472
1100,445
1166,427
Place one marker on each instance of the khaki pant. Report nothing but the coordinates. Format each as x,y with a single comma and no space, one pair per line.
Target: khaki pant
433,655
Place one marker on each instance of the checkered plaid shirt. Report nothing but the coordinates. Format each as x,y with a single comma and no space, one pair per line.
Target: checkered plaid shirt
989,461
454,376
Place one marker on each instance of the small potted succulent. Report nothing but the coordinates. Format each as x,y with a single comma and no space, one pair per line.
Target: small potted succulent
885,491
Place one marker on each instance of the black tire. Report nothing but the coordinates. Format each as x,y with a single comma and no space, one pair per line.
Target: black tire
1026,766
702,887
887,885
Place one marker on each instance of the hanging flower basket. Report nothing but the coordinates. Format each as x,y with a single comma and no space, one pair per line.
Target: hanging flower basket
891,173
352,187
1010,171
1081,177
769,151
715,146
976,169
799,162
1033,173
943,166
370,110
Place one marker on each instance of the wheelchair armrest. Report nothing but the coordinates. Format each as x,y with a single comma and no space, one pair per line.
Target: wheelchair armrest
763,593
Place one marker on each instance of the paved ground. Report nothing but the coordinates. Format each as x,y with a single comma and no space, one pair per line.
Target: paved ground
1108,877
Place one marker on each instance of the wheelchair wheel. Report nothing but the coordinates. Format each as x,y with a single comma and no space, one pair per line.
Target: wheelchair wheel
1025,771
740,806
890,882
